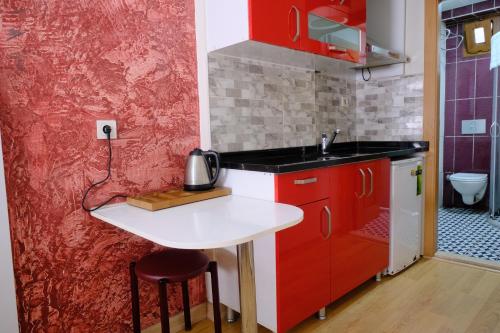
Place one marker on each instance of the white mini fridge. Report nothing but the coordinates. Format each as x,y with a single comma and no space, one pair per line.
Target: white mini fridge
406,213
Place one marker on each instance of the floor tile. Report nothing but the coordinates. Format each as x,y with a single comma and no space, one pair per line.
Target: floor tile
468,232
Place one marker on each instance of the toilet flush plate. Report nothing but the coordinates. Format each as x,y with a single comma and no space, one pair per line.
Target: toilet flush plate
474,126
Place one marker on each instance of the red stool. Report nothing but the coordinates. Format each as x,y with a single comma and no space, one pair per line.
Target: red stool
173,266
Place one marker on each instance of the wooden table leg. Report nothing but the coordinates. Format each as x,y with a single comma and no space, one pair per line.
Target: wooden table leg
248,301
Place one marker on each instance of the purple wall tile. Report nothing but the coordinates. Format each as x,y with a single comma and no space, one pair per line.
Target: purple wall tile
451,56
483,110
464,110
463,154
451,47
447,193
483,5
482,154
449,118
453,28
462,11
451,81
484,78
466,76
448,153
446,14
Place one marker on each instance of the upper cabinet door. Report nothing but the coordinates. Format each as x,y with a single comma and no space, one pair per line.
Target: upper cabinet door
277,22
337,29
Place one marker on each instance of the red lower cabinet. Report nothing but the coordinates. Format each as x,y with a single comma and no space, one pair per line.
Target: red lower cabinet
342,241
360,242
303,266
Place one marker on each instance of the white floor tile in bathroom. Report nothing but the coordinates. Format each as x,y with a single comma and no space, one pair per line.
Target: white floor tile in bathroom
468,232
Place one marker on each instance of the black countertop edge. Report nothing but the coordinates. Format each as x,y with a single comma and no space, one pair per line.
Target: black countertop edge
294,159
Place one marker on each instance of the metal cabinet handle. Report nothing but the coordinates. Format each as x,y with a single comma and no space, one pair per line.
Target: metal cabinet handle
335,48
297,23
305,181
371,182
329,213
363,181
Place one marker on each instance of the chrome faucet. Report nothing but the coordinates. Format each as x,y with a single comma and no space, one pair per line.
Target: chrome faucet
325,144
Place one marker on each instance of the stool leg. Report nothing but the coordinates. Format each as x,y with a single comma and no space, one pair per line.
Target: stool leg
162,288
212,267
134,288
185,300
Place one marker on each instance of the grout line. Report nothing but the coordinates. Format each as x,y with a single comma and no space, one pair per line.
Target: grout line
474,111
467,98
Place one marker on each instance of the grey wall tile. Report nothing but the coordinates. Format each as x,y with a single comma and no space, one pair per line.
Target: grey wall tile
261,105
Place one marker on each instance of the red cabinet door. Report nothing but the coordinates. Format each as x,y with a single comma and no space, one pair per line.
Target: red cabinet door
360,241
277,22
303,266
323,35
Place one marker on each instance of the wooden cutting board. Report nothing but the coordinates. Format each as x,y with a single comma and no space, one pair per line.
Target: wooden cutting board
161,200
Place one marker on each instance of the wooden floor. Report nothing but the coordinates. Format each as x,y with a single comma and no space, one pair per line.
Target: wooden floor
431,296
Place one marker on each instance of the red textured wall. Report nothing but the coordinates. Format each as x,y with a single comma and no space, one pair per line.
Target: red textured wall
64,64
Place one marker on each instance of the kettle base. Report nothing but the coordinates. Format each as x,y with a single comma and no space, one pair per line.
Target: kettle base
194,188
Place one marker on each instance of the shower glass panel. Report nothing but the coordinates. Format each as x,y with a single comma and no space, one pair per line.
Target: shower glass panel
495,153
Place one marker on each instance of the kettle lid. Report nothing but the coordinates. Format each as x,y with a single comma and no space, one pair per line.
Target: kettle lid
196,152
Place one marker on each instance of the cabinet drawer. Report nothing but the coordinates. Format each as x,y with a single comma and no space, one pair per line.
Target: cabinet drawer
299,188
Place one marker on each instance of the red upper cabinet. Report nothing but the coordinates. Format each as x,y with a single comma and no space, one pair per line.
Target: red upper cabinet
332,28
337,29
277,22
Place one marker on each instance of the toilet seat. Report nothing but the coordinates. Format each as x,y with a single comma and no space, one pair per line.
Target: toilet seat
469,177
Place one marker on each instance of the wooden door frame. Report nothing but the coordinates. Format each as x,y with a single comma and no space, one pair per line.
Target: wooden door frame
431,124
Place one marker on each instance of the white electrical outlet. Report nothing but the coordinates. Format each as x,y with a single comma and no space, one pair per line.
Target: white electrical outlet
100,133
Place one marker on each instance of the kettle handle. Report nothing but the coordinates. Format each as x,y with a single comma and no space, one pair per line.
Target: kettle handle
217,166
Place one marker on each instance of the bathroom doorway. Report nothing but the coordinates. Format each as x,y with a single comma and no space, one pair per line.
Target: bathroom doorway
468,134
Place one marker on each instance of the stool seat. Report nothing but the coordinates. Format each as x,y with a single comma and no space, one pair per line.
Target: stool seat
173,265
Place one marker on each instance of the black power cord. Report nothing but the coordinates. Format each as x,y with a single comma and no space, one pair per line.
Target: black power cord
107,130
363,74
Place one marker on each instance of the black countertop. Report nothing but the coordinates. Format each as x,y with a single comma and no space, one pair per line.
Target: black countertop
302,158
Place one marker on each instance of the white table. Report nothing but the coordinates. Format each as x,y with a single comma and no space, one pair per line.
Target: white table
215,223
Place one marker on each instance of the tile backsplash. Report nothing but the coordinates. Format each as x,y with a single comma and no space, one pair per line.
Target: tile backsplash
262,105
390,108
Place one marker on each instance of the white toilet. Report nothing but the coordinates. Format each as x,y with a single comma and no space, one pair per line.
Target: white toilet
472,186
